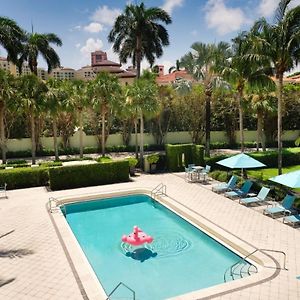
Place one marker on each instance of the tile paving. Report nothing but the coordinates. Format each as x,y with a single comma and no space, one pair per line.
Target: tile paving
33,264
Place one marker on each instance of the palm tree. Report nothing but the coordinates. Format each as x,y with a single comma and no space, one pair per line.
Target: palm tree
7,92
175,68
55,97
279,43
143,96
261,103
78,99
241,74
138,34
11,37
32,92
39,44
203,63
106,94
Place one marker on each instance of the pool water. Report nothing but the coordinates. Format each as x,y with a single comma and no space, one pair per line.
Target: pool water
181,258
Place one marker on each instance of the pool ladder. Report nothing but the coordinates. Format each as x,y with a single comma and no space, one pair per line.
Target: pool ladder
121,284
160,189
237,270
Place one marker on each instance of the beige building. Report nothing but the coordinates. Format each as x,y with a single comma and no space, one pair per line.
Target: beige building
63,73
85,73
9,66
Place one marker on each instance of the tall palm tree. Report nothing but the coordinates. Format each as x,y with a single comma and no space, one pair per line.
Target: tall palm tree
55,97
106,94
77,99
39,44
7,93
279,43
242,74
138,33
203,62
32,92
261,102
11,37
143,97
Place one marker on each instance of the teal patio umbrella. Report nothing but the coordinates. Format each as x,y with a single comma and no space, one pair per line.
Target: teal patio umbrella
291,179
240,161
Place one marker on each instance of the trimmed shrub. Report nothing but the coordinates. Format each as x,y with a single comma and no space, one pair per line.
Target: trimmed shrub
88,175
104,159
179,156
24,177
50,164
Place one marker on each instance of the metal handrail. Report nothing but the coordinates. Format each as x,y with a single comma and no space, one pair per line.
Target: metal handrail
233,267
160,189
118,285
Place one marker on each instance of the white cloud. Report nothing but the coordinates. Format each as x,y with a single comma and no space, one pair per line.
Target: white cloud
224,19
90,46
267,8
77,45
169,5
93,27
105,15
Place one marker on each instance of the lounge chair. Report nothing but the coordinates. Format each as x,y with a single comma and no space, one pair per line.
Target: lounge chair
3,190
294,219
243,191
284,207
261,197
223,187
190,173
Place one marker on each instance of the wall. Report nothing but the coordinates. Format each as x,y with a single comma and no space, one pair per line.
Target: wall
116,139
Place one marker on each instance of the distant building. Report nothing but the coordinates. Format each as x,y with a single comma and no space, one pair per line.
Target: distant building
162,79
99,63
63,73
85,73
9,66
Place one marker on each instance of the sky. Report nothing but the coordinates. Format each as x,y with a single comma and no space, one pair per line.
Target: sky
83,25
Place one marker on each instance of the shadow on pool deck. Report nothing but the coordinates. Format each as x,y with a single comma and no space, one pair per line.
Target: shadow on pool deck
12,253
5,281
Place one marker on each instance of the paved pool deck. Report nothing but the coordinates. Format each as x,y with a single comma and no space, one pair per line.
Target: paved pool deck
35,265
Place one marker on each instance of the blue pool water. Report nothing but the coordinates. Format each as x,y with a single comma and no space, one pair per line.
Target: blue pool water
181,258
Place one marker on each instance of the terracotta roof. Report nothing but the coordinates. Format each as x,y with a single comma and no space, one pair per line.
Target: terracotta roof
3,59
169,78
126,74
106,63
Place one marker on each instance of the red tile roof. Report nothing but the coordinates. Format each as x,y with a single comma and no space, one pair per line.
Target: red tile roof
169,78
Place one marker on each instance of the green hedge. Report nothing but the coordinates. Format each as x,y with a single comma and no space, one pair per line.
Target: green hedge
88,175
189,152
24,177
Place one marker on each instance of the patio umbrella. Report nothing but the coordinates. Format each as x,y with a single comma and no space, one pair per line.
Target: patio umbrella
240,161
291,179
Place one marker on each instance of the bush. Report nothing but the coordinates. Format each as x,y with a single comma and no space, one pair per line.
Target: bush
179,156
132,161
152,158
50,164
104,159
16,162
88,175
24,177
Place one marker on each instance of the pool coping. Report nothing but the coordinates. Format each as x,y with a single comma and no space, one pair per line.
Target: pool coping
268,267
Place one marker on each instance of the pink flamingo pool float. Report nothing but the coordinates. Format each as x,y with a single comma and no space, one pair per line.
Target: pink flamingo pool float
137,237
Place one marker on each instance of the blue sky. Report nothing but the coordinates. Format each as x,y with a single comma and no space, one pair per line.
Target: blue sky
84,25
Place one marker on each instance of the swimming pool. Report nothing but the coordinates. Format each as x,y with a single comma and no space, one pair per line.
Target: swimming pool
180,260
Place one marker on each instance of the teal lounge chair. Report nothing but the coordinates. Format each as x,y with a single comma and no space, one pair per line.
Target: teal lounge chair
295,219
243,191
223,187
285,207
261,197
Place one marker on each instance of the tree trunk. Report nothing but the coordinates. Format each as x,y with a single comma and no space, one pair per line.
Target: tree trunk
207,123
2,133
259,133
142,142
136,138
55,138
240,96
279,122
103,131
138,55
33,144
80,135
